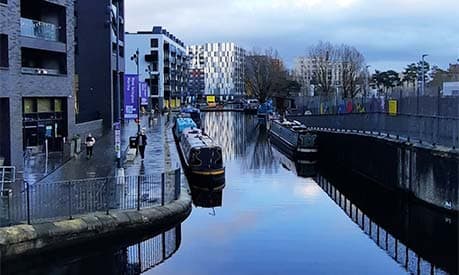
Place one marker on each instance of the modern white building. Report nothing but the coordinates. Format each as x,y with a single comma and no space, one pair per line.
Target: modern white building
162,64
451,88
305,72
223,65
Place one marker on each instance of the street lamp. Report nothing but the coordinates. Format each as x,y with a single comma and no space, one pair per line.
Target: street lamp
135,58
367,76
423,75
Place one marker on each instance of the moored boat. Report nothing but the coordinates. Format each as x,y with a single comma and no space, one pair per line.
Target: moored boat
193,113
294,139
182,123
202,159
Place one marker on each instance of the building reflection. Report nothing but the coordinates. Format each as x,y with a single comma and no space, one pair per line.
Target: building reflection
419,238
233,131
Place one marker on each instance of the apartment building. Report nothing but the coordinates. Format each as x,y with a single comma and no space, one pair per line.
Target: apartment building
99,62
36,77
305,72
163,64
223,66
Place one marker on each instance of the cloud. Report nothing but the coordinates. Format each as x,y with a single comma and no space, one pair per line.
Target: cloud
386,31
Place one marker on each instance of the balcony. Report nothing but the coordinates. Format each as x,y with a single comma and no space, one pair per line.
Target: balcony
39,29
40,71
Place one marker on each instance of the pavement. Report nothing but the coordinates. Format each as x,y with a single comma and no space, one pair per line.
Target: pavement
103,162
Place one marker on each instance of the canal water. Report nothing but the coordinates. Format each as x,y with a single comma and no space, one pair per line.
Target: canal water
275,216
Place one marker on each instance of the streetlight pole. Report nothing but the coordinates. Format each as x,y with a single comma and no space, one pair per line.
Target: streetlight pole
423,75
135,58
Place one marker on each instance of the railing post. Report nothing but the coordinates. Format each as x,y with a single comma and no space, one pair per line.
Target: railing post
162,187
107,203
138,193
28,201
177,183
70,199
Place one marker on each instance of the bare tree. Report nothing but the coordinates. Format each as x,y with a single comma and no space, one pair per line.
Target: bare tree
323,57
264,74
352,70
329,59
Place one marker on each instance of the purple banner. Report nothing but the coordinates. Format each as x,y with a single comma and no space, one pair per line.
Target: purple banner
131,96
143,93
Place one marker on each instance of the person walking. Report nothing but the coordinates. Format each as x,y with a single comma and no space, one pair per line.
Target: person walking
90,141
142,142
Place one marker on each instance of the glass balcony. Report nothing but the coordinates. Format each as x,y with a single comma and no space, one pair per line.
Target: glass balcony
38,29
28,70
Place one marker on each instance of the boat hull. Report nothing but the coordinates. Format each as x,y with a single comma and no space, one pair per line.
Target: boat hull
292,150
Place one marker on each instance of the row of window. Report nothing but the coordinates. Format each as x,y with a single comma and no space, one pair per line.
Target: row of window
4,50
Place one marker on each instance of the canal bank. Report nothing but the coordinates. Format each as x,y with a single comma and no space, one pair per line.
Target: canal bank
116,217
21,240
430,174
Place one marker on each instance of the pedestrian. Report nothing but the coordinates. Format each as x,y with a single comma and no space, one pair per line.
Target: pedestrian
142,142
90,141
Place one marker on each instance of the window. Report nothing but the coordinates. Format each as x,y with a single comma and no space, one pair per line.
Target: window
4,50
154,43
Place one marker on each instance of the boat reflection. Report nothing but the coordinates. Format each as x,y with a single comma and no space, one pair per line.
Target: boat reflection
207,198
421,239
301,168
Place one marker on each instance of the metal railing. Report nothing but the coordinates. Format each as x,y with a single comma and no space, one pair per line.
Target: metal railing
32,203
435,130
39,29
395,248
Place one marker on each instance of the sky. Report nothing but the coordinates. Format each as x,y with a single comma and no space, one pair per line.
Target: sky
389,33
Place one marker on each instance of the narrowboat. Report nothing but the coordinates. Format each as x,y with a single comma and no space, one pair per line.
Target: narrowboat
250,106
202,159
180,124
264,111
194,114
294,139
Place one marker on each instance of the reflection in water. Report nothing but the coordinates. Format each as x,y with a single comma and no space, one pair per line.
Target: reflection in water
104,258
230,130
301,168
207,198
419,239
242,138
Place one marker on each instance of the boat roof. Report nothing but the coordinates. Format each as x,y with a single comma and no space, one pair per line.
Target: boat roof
196,138
190,109
294,125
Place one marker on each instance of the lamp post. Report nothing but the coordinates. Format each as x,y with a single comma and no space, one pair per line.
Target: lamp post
367,76
423,75
135,58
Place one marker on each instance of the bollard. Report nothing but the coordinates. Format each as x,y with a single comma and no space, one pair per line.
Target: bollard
28,201
162,188
70,200
138,193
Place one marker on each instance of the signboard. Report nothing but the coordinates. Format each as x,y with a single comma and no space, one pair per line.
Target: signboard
393,107
118,140
143,94
210,99
131,96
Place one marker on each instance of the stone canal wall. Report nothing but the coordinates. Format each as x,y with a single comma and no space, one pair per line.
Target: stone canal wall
31,239
429,173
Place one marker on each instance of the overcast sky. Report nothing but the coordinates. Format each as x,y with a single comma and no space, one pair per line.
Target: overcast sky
390,33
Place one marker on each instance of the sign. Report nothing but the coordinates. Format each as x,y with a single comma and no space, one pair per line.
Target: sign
210,99
118,139
131,96
393,107
143,94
